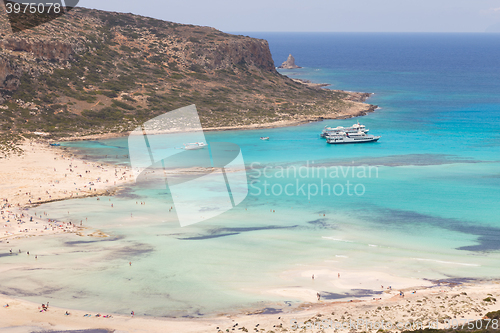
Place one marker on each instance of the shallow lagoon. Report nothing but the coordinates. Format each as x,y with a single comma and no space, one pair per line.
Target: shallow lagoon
429,211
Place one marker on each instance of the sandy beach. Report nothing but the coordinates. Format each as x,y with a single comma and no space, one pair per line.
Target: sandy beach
44,174
195,190
436,307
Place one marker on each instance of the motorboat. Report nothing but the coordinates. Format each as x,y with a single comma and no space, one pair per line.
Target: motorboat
194,146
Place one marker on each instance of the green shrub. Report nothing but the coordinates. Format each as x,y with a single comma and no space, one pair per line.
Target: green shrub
128,98
493,315
107,113
173,65
123,105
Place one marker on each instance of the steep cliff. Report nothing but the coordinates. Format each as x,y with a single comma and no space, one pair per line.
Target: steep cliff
93,71
40,49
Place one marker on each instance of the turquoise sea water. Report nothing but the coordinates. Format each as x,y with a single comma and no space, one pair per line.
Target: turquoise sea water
423,202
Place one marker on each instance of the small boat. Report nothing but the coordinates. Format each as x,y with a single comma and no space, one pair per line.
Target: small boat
194,146
55,144
359,137
264,138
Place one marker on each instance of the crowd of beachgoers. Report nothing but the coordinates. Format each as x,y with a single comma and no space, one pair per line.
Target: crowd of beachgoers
43,174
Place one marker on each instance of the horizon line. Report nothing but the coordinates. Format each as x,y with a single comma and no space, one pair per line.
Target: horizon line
367,32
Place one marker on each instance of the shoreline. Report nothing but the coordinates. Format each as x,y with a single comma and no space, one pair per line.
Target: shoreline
426,305
311,84
44,174
386,305
277,124
358,109
353,306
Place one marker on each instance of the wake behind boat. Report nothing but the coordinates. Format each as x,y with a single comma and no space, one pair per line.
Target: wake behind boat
194,146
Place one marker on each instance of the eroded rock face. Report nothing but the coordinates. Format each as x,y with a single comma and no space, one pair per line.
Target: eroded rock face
289,63
24,55
9,76
251,52
47,50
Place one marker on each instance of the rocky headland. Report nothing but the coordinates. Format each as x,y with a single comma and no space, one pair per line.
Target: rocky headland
93,72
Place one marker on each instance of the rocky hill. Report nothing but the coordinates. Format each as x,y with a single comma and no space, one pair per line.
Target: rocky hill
93,72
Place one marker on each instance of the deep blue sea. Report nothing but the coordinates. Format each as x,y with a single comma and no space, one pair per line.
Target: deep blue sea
422,203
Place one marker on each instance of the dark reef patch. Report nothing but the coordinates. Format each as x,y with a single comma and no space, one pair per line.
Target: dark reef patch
223,232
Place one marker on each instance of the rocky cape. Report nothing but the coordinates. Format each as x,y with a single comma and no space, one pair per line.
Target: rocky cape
92,72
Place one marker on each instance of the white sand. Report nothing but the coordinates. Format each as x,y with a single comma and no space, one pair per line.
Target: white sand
44,173
428,306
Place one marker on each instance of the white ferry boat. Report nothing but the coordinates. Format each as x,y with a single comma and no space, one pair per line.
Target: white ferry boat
340,129
359,137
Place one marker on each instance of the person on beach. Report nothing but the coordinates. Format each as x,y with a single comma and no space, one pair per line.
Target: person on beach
339,275
132,313
318,295
313,277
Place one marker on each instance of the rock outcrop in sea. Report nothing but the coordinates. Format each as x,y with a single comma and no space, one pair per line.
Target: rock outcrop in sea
289,63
